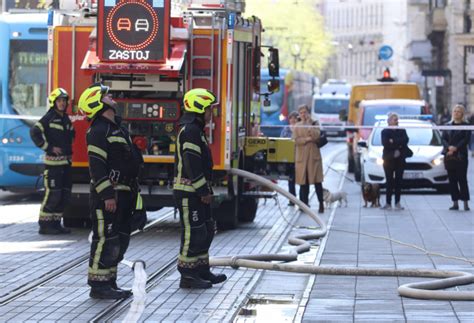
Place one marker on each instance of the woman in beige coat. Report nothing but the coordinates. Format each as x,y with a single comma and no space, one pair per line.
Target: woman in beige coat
308,162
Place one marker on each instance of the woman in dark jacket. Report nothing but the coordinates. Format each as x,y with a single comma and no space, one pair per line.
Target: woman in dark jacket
395,150
456,158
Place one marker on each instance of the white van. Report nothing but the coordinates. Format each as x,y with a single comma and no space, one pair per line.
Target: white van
327,108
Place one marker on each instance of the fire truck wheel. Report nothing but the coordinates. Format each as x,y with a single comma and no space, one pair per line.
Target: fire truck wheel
77,216
76,222
248,209
226,215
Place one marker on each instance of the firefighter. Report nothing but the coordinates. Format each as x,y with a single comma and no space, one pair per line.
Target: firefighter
193,193
54,134
114,164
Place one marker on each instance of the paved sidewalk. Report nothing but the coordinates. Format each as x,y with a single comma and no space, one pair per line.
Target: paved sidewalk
426,222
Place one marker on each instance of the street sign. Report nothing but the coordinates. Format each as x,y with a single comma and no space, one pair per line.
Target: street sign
385,52
439,81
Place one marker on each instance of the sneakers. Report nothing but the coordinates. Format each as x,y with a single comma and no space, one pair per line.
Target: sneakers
386,207
398,207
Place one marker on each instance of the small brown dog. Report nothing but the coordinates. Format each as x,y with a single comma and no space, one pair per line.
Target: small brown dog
371,193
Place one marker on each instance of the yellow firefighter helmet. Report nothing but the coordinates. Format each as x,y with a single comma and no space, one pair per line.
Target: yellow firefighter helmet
197,100
90,101
55,94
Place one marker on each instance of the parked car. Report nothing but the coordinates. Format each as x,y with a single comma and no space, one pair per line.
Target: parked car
372,110
386,89
424,169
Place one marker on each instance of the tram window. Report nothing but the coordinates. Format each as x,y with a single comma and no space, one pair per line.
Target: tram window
28,76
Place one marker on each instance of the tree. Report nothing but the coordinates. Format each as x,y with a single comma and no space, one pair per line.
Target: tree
296,28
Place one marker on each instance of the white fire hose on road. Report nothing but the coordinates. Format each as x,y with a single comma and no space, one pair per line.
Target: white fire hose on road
421,290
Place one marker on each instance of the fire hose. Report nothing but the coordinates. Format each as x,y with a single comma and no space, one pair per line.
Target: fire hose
421,290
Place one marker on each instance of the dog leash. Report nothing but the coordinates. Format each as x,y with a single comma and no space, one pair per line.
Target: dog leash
345,176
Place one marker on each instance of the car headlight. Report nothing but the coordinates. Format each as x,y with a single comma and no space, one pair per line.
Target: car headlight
375,158
438,160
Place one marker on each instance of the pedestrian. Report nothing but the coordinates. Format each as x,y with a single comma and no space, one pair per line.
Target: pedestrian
287,132
193,192
54,134
114,164
455,152
254,126
308,161
444,117
395,151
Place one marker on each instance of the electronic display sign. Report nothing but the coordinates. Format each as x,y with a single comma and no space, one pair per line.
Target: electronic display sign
133,30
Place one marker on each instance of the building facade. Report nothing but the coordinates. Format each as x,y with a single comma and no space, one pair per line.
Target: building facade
432,44
360,28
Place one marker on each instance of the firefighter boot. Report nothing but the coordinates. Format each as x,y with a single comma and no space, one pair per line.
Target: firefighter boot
48,228
205,273
193,280
106,292
61,229
127,292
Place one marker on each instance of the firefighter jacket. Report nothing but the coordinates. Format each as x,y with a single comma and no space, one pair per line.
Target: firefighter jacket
54,130
114,162
193,159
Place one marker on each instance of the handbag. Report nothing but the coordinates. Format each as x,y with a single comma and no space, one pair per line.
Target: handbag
323,139
452,162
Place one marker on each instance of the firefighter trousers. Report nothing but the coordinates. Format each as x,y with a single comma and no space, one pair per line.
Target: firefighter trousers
197,232
57,184
110,239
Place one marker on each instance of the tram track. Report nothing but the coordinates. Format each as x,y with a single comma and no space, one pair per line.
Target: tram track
65,268
115,309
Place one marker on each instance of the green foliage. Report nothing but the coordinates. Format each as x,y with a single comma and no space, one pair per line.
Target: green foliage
296,28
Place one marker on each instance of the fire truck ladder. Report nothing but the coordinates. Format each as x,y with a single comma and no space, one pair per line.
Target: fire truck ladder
203,75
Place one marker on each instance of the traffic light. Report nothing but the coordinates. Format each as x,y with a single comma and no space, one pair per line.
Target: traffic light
273,62
273,85
386,76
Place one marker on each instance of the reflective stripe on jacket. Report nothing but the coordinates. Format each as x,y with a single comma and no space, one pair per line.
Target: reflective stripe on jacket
114,162
193,159
54,130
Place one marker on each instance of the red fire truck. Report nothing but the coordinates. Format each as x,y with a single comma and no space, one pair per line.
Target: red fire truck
149,59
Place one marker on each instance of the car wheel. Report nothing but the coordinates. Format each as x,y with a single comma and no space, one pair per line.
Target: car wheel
350,161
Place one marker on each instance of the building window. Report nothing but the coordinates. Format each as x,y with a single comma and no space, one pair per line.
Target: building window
437,4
